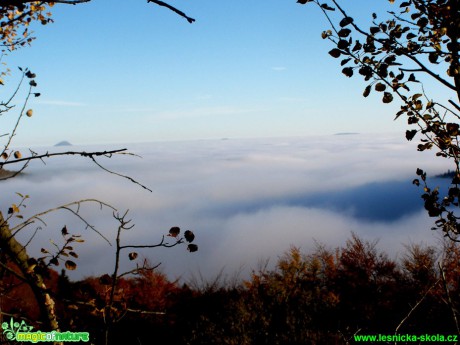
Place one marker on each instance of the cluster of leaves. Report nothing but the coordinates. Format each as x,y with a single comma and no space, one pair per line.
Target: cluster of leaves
8,155
61,252
189,236
16,18
419,40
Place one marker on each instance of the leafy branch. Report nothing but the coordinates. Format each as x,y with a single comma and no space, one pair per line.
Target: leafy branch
419,40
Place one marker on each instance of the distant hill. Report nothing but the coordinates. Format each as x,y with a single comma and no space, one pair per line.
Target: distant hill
346,133
63,143
448,174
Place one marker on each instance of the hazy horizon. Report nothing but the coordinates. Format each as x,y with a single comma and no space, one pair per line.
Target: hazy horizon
247,200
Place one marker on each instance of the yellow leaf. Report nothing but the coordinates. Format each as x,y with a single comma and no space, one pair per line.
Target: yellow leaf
15,208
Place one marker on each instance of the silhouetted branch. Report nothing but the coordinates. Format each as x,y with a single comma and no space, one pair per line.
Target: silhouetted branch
415,306
139,270
161,244
121,175
66,153
449,300
67,207
164,4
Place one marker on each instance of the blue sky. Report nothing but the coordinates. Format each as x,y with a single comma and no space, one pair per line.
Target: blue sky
111,72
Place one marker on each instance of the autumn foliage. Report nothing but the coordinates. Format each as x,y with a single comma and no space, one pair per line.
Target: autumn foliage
322,297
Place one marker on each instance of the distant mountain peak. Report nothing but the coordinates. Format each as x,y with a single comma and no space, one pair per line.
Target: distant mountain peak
346,133
63,143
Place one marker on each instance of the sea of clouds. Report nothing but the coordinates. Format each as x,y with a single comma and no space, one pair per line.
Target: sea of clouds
247,200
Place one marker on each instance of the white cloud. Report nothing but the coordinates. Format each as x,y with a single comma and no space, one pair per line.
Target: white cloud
61,103
246,199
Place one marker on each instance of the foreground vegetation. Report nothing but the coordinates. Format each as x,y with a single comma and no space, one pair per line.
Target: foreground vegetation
322,297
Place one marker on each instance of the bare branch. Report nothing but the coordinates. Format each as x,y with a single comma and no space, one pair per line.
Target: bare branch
161,244
164,4
454,104
121,175
416,305
449,300
67,207
66,153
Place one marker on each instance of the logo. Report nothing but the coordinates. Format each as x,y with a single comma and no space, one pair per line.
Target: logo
22,332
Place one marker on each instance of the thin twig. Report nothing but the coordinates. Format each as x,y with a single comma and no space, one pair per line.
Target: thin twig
451,305
67,207
164,4
415,306
121,175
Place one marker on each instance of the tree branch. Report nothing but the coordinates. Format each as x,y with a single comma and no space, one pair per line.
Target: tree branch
161,244
67,153
415,306
164,4
451,305
37,216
